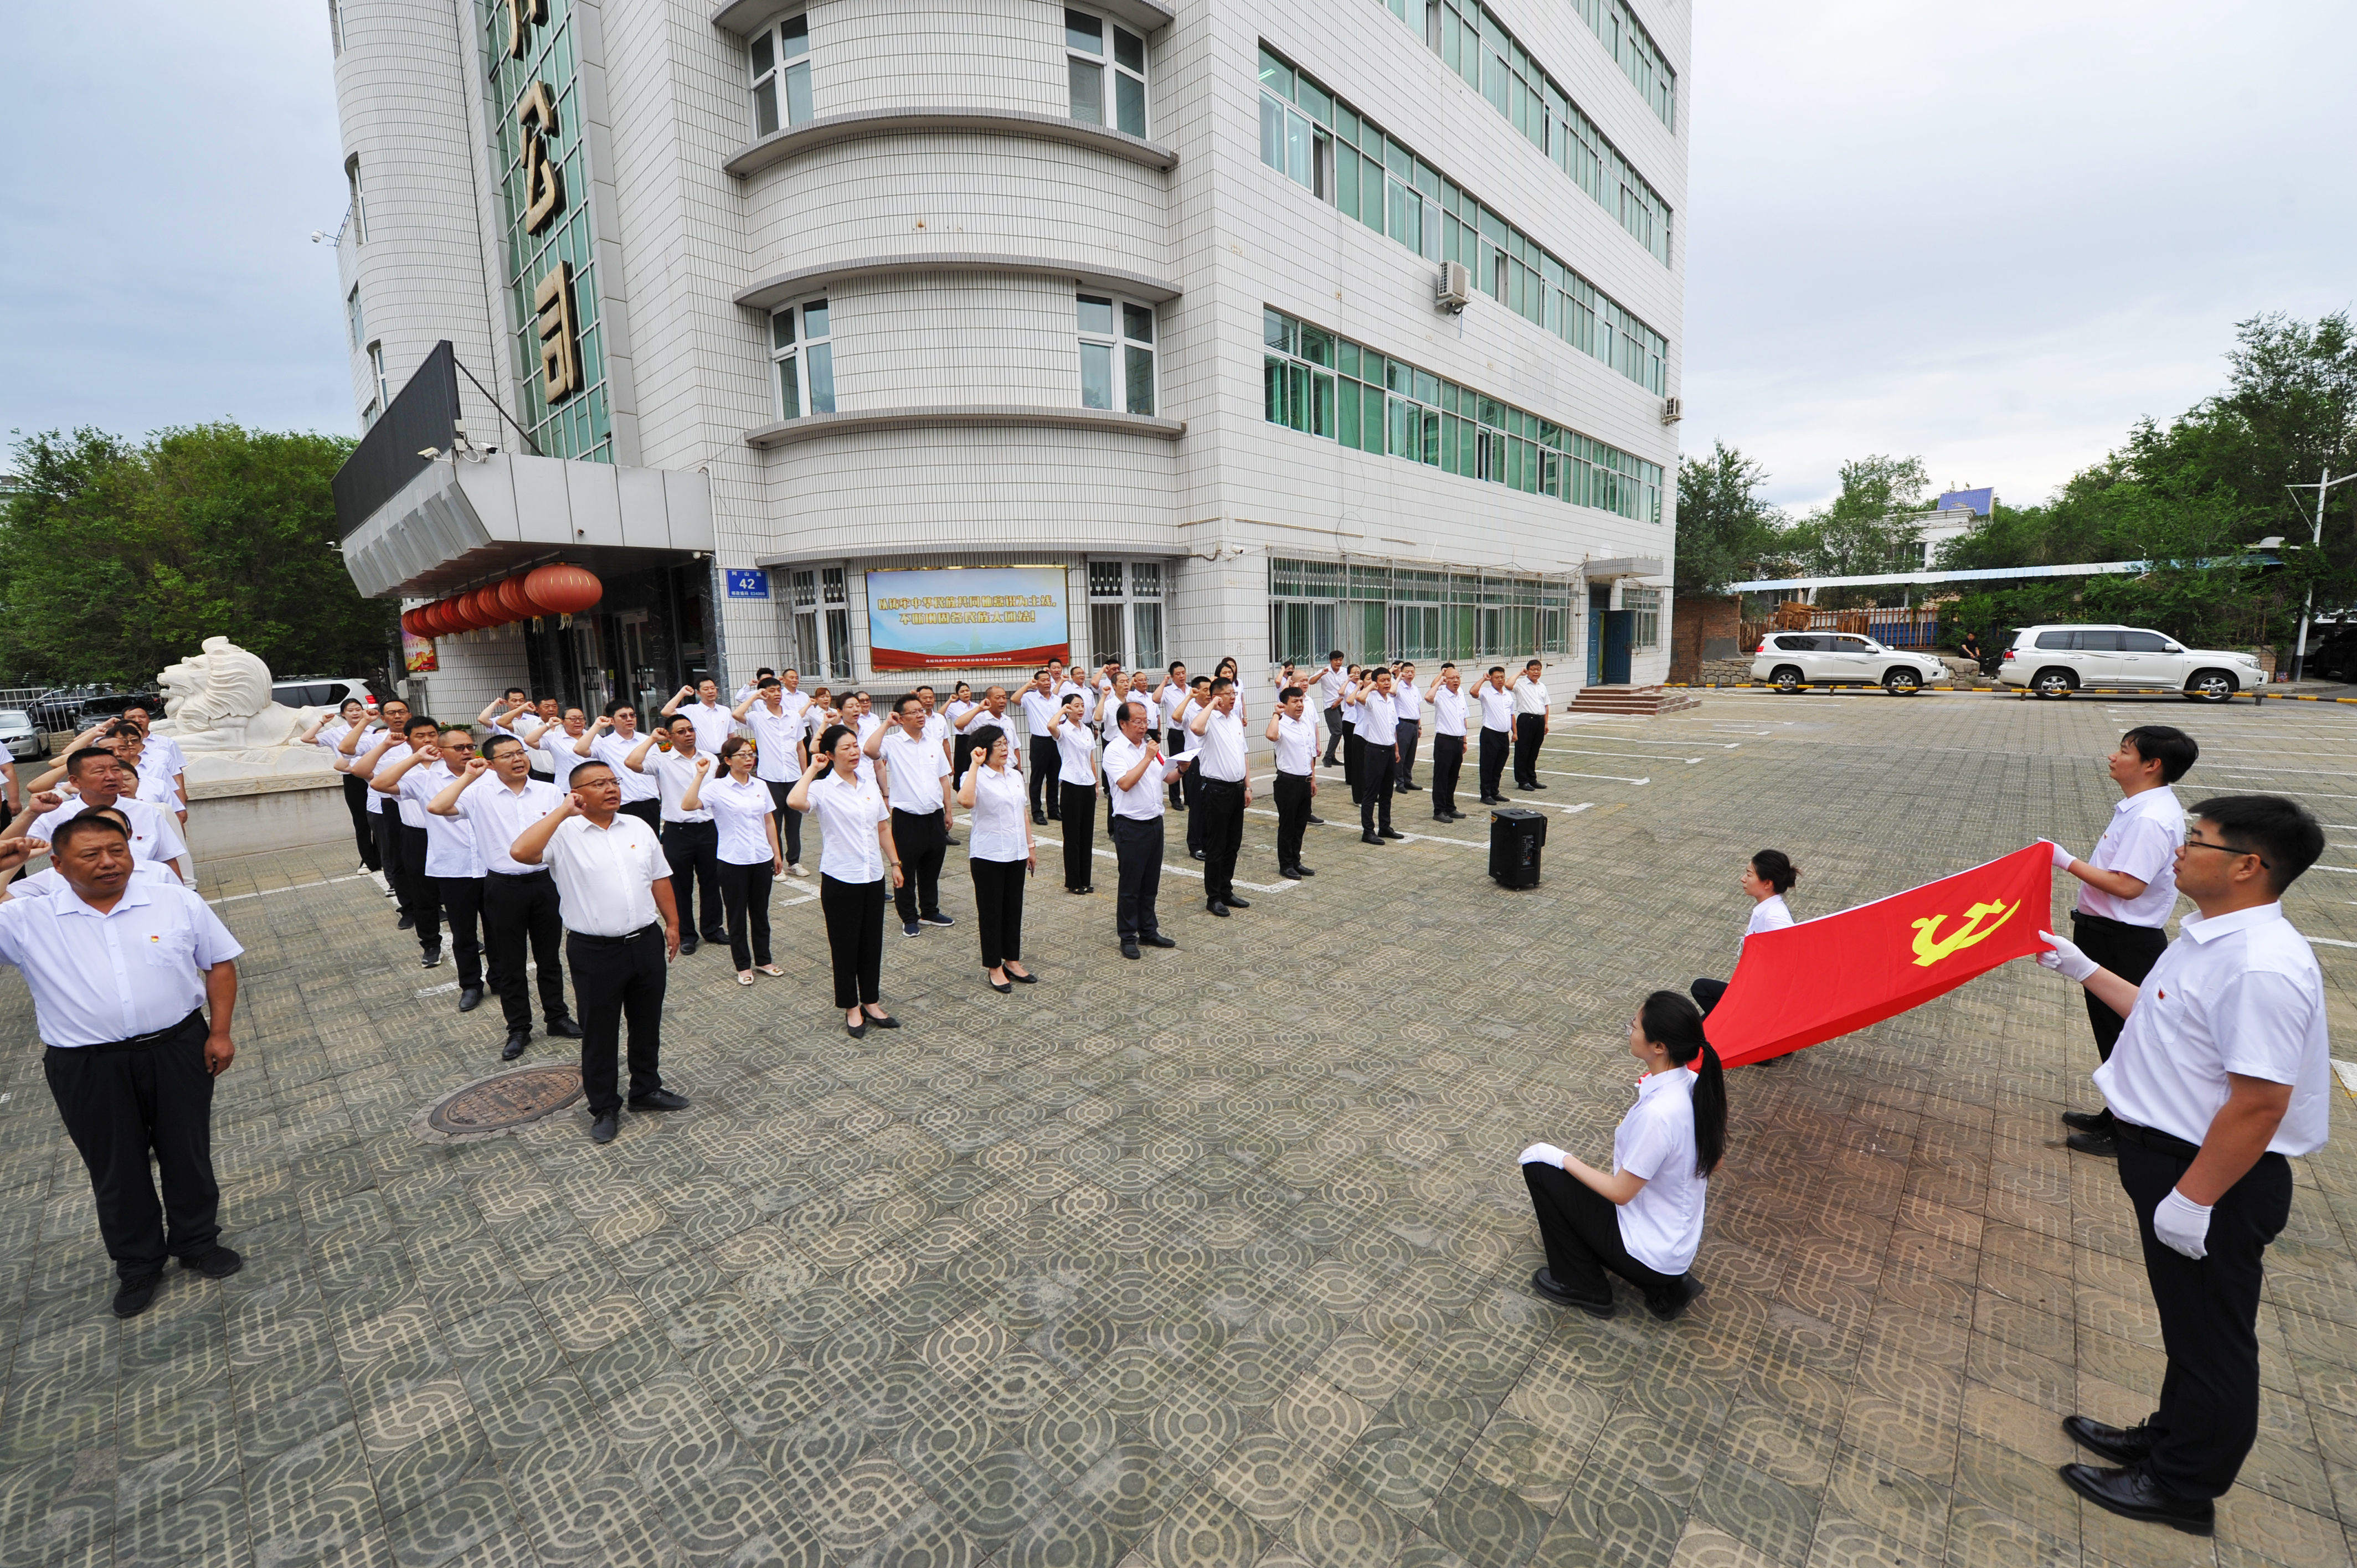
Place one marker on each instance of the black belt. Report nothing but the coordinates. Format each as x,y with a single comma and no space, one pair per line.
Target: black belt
1223,783
519,875
2159,1143
141,1042
2107,921
616,941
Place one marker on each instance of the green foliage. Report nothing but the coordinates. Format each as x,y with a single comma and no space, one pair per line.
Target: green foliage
118,559
1726,532
1865,528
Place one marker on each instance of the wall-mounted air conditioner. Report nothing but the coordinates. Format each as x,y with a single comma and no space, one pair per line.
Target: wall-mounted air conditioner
1453,290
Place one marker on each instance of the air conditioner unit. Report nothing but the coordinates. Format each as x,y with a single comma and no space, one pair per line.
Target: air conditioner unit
1453,290
1672,411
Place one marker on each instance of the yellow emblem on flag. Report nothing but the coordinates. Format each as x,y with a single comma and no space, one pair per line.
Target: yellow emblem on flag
1931,947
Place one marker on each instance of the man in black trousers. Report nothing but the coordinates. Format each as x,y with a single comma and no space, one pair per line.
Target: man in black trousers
1293,734
1135,770
1497,731
1530,722
1378,755
499,798
1447,742
1040,709
1226,791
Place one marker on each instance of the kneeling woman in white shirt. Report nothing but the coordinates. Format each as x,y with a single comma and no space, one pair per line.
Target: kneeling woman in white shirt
1643,1221
855,851
745,815
1766,879
1000,853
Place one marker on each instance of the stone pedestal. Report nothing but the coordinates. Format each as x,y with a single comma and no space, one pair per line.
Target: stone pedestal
250,816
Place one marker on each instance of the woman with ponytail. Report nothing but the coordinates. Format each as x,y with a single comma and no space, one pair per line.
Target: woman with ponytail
1642,1220
1765,881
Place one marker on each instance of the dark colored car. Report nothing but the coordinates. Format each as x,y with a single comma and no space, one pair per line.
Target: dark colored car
2334,657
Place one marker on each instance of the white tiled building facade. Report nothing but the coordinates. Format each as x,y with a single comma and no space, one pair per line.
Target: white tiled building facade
1295,446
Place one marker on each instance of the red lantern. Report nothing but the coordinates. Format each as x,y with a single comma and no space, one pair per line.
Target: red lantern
455,617
409,623
564,589
516,604
483,603
429,619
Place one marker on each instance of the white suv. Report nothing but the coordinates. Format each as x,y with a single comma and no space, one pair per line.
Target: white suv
1788,661
2056,660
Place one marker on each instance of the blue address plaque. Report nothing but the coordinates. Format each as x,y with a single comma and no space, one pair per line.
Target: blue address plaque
748,582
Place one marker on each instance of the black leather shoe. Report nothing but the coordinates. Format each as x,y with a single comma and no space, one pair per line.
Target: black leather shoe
659,1099
603,1127
1369,838
1216,907
1533,784
1233,902
884,1023
2132,1493
469,998
688,944
1410,789
1038,820
856,1031
431,958
404,923
217,1264
716,939
1027,978
1301,870
1195,854
2120,1445
134,1296
517,1040
1128,949
1288,873
1315,820
1673,1303
562,1028
1544,1283
1155,939
2102,1145
2088,1120
1394,833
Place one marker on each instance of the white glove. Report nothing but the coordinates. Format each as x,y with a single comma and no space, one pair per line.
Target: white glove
1541,1154
2182,1225
2063,857
2064,958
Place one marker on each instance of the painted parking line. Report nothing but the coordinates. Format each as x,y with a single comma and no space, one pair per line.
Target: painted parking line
294,887
1170,868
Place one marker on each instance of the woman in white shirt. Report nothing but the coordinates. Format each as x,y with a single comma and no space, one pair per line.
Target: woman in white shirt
745,813
958,713
1643,1221
1768,876
1000,853
1076,754
855,851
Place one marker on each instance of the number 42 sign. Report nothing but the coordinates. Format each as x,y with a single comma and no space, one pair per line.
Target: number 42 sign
748,582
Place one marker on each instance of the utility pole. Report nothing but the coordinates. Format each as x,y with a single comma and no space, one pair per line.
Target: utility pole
2324,483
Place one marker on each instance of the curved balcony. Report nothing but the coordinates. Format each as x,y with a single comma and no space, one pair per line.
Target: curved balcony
830,130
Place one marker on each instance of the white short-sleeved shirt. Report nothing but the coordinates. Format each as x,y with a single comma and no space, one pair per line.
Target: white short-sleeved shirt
1448,711
449,841
741,809
614,751
159,785
1142,802
913,771
1039,711
1530,697
154,832
1076,754
557,759
500,815
1770,914
712,724
995,827
958,708
848,810
1378,719
1329,685
100,978
174,760
673,774
1221,745
2140,839
1297,744
1408,701
377,801
1174,702
2237,994
869,724
775,736
1497,708
606,876
1661,1225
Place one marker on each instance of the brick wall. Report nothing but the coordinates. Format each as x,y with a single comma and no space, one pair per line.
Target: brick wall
1702,629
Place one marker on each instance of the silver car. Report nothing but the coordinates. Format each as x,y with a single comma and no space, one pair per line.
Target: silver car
1788,661
2056,660
23,737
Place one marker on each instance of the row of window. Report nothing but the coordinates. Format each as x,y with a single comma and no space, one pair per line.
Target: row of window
1381,612
1115,338
1462,31
1124,616
1320,141
1326,385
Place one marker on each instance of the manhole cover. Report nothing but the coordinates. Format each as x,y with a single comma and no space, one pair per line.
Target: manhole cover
501,1103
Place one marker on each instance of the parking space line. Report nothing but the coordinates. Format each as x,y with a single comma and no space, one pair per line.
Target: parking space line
1168,869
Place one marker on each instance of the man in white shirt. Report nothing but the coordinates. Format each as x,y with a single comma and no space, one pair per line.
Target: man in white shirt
163,752
1497,732
1190,782
614,888
711,718
1135,770
778,719
1447,742
1041,706
2222,1074
611,740
917,785
865,726
420,910
1330,681
1530,722
1226,791
452,872
751,689
97,777
506,715
1378,755
1295,735
2130,889
556,741
691,840
1162,718
497,797
1408,701
122,973
357,756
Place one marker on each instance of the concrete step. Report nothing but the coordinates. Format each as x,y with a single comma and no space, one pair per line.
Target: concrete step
1644,700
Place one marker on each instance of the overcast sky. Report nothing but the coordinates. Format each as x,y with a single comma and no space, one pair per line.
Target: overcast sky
1991,233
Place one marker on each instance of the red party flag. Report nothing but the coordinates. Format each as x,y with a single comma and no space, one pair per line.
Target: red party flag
1840,972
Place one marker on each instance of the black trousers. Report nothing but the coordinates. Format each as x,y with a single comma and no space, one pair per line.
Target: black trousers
518,910
461,898
1447,767
854,936
1376,789
1222,807
1079,833
998,908
1137,846
356,802
1293,802
619,978
1410,732
922,838
1581,1229
961,758
1493,762
1529,730
387,826
1354,762
790,822
693,851
1335,730
1174,741
744,893
651,813
425,903
1706,993
2128,952
1045,763
121,1102
2209,1415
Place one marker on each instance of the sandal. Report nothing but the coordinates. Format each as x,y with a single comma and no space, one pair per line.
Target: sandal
769,968
744,977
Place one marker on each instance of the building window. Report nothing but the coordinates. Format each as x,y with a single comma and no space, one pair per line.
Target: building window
1085,57
358,210
1645,621
1116,352
782,85
1125,613
805,360
1375,611
352,316
368,414
376,373
822,621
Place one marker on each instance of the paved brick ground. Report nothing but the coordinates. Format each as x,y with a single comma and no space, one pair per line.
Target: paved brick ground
1218,1258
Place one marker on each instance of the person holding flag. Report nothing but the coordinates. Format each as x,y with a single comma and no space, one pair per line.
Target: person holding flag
2221,1074
1765,880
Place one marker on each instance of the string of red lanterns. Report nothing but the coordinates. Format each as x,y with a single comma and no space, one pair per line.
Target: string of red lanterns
560,589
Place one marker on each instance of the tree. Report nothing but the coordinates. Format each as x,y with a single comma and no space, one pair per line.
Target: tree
1865,528
1726,532
117,560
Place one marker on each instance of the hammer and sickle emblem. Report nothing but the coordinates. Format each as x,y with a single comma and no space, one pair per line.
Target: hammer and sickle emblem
1931,947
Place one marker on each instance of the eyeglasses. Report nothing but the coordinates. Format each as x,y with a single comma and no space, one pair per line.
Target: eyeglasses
2192,842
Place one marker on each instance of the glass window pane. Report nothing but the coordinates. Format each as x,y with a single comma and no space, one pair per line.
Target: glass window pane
1321,416
1138,367
765,53
1272,374
814,319
1082,31
1348,425
794,36
1129,103
1276,75
1272,328
798,94
765,107
1087,93
789,394
821,377
1147,621
1296,396
1104,579
1297,148
1096,375
1272,133
782,329
1129,50
1097,314
1138,323
1145,580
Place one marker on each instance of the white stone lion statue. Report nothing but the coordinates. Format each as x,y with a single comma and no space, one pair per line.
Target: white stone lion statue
217,704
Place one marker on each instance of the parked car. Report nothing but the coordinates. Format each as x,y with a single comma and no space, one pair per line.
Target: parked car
2056,660
24,738
321,692
1788,661
2332,656
113,704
